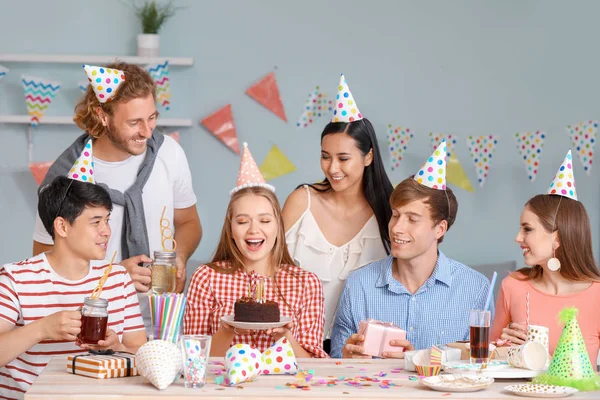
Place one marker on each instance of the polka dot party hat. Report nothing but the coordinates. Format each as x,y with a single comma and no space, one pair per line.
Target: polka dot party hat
280,359
249,175
242,363
104,81
433,173
564,181
570,365
83,168
160,362
345,108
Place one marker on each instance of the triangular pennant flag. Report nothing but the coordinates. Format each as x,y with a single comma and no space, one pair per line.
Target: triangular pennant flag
160,74
3,71
436,139
583,135
83,86
222,126
482,149
104,81
83,168
39,170
266,93
455,174
39,93
276,164
530,146
398,141
345,108
249,175
570,365
174,135
433,173
564,181
315,107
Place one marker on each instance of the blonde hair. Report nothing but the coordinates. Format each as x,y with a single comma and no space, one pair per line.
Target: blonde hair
227,250
138,83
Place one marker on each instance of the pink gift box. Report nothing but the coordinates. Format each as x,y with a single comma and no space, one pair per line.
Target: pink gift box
378,335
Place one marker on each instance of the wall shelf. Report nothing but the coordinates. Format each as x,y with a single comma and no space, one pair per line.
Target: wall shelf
91,59
50,120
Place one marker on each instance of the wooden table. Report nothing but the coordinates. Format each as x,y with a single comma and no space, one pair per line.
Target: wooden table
56,383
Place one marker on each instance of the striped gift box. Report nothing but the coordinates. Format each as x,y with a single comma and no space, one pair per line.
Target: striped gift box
115,365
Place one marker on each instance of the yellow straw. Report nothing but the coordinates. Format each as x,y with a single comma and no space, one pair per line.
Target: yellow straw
98,290
165,225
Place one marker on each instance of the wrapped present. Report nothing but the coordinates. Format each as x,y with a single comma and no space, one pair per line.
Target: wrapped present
103,365
378,336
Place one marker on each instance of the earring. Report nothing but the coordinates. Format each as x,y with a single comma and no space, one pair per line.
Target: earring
553,263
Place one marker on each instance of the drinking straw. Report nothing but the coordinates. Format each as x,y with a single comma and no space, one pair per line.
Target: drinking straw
98,290
528,309
489,295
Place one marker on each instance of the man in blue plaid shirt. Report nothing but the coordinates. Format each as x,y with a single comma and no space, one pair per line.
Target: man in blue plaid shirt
417,287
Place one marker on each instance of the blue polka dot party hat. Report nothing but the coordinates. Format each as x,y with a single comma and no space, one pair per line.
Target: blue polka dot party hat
433,173
104,81
564,181
83,168
345,108
570,365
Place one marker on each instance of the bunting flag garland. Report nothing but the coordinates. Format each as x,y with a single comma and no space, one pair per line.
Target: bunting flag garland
583,135
315,107
266,93
221,125
276,164
455,173
39,170
436,139
482,149
83,86
3,71
530,146
39,93
174,135
398,141
160,74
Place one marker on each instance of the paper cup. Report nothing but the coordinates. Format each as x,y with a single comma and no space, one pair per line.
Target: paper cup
530,355
422,364
540,334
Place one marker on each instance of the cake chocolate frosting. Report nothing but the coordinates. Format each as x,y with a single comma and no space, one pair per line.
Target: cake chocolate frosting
247,309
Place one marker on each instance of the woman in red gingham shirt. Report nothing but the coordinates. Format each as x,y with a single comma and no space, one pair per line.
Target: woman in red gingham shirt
252,248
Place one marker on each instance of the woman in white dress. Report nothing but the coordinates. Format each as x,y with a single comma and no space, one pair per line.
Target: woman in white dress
340,224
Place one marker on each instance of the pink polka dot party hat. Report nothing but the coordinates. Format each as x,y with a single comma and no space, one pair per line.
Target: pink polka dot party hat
433,173
345,108
83,168
104,81
249,175
564,181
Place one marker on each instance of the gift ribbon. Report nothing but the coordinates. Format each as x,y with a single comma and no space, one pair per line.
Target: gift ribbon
108,352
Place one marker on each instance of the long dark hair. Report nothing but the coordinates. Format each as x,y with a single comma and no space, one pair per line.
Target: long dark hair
376,185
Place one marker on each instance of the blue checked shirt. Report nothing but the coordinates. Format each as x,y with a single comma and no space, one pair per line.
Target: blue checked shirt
437,313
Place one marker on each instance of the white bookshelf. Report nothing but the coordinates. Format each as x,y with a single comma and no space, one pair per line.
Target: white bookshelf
50,120
91,59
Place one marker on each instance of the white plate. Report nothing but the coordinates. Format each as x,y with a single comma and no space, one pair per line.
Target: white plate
256,326
457,383
496,369
535,390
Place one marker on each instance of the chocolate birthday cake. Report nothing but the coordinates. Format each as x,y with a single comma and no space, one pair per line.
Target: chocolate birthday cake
247,309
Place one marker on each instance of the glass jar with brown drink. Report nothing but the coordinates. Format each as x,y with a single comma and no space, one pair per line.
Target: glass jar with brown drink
164,272
94,320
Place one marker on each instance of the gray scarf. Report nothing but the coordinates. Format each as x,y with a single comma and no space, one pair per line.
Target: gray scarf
135,233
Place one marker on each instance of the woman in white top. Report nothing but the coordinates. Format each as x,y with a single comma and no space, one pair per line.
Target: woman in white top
340,224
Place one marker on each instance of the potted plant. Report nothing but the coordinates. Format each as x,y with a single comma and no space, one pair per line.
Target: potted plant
152,17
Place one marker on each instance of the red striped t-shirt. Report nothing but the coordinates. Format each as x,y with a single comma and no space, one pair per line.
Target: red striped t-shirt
30,290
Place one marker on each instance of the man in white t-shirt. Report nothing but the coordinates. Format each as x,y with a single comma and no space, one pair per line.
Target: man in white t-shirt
40,297
122,132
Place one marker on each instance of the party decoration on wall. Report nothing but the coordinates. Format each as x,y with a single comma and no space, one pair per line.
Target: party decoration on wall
436,139
39,93
530,146
83,86
482,149
39,170
83,168
160,73
266,93
222,126
564,182
276,164
398,141
583,135
433,173
455,174
174,135
315,107
345,108
570,365
104,81
3,71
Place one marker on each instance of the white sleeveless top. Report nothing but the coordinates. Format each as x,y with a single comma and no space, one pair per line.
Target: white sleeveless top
332,264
